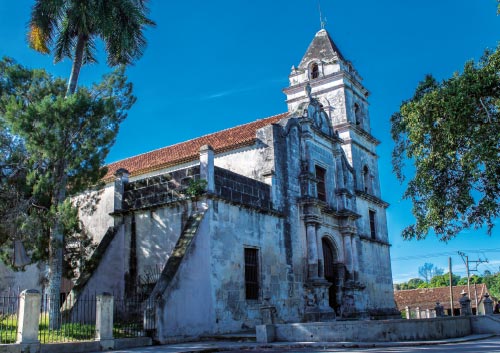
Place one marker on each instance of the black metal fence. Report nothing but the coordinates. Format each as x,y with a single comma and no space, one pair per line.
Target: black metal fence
74,321
76,317
9,307
134,317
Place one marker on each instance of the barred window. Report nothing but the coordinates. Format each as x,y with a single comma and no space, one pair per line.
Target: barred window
252,273
320,183
373,232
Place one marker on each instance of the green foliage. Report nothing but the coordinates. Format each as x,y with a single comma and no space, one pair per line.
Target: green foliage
428,270
63,142
443,280
413,283
492,281
196,187
71,27
450,133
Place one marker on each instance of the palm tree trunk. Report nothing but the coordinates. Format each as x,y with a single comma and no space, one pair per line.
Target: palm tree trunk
77,65
56,253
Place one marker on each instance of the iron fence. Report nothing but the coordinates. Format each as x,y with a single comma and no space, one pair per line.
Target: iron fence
9,307
74,318
73,321
133,316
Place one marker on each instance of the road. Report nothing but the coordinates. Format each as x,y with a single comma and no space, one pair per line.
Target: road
490,345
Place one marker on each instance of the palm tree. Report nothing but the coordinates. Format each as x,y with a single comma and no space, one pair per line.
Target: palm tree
72,26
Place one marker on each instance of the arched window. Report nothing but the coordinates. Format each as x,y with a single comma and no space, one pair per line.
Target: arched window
366,179
314,71
357,114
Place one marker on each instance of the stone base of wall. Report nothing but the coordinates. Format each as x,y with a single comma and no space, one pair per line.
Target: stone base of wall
74,347
366,331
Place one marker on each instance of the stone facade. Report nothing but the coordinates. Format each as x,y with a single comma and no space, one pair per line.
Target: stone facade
292,221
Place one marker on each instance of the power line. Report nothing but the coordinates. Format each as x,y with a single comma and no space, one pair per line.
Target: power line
447,253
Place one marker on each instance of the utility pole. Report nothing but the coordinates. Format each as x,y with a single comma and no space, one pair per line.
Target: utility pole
451,287
465,258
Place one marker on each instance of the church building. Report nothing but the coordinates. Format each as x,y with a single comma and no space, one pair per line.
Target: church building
279,219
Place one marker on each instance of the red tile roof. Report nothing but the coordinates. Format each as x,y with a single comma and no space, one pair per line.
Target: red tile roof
222,141
426,298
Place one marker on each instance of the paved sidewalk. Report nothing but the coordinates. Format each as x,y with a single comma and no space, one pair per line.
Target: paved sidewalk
220,346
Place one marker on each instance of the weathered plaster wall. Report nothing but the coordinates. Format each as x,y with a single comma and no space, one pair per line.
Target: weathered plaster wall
109,275
374,331
363,224
157,231
234,228
17,281
248,162
187,306
98,221
375,273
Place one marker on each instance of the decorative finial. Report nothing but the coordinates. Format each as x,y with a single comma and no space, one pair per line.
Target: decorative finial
322,21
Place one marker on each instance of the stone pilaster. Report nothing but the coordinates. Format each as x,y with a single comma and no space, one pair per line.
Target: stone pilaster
121,178
465,309
104,321
207,167
29,316
487,305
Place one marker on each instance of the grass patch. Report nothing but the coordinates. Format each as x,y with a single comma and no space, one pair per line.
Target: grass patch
8,329
69,332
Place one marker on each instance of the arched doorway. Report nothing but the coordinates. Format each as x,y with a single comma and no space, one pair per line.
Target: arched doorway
330,259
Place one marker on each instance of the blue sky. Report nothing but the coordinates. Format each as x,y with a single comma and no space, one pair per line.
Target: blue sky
211,65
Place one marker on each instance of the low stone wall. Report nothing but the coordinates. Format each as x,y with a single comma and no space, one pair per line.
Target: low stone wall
241,189
158,189
367,331
485,324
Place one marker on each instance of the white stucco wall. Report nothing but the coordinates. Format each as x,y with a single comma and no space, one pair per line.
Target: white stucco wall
97,221
187,306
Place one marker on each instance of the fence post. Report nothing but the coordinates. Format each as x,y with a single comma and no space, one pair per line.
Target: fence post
408,312
104,321
487,304
465,309
29,317
417,312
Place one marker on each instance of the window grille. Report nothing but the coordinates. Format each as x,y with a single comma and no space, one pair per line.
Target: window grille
252,273
373,232
320,183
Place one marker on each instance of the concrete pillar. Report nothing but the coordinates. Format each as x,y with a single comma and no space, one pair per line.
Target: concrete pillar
29,317
487,305
439,309
427,313
312,250
408,312
464,301
417,313
121,178
104,321
271,179
207,166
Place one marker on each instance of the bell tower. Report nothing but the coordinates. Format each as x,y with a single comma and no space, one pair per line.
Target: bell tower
337,86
